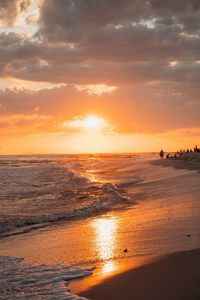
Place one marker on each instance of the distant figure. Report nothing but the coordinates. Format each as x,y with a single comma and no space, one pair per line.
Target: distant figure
161,153
125,250
167,156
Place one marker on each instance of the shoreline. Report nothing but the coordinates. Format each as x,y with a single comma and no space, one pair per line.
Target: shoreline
167,214
188,161
175,276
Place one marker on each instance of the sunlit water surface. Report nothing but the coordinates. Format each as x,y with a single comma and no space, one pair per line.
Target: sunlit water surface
162,215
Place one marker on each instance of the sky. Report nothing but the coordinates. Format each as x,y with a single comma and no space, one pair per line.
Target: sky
82,76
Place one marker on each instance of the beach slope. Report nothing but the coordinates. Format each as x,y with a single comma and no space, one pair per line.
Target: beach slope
174,277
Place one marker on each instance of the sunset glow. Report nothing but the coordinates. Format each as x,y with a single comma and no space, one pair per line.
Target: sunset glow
90,122
94,122
99,149
130,76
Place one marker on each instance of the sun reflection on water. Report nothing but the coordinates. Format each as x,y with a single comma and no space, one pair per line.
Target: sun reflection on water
91,175
109,267
105,237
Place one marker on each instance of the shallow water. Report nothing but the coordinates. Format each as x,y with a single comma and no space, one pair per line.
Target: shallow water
163,217
38,190
21,281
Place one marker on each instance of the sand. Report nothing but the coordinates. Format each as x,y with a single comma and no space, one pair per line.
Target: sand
168,211
190,161
173,277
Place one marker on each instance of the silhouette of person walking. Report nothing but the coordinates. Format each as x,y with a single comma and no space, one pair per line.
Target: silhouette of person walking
161,153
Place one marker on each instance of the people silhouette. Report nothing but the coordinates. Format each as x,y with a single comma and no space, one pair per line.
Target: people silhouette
161,153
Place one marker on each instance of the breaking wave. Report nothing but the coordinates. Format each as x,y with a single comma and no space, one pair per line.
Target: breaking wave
36,191
107,198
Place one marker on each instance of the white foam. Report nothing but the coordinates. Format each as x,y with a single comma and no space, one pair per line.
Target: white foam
21,281
23,225
37,191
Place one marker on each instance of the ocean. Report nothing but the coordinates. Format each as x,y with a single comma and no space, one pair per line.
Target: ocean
62,215
38,190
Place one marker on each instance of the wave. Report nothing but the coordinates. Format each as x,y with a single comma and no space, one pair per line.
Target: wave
37,191
108,199
22,281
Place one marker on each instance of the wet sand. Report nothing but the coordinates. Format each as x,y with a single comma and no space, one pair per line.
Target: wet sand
166,220
173,277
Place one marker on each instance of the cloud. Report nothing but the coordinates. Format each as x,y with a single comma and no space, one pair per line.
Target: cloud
144,107
105,42
68,20
184,132
111,54
138,58
18,85
96,89
10,9
87,123
26,123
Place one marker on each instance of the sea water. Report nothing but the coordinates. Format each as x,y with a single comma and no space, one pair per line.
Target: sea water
62,215
39,191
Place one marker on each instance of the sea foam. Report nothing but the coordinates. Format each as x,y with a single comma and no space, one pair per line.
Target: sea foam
19,280
38,191
107,197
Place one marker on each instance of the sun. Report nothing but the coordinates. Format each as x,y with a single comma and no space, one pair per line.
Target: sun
88,123
93,122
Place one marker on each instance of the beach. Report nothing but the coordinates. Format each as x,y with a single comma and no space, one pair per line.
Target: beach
156,218
175,277
99,150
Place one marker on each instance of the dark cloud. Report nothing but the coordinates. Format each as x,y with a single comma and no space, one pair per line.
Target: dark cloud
174,7
75,20
112,73
90,41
